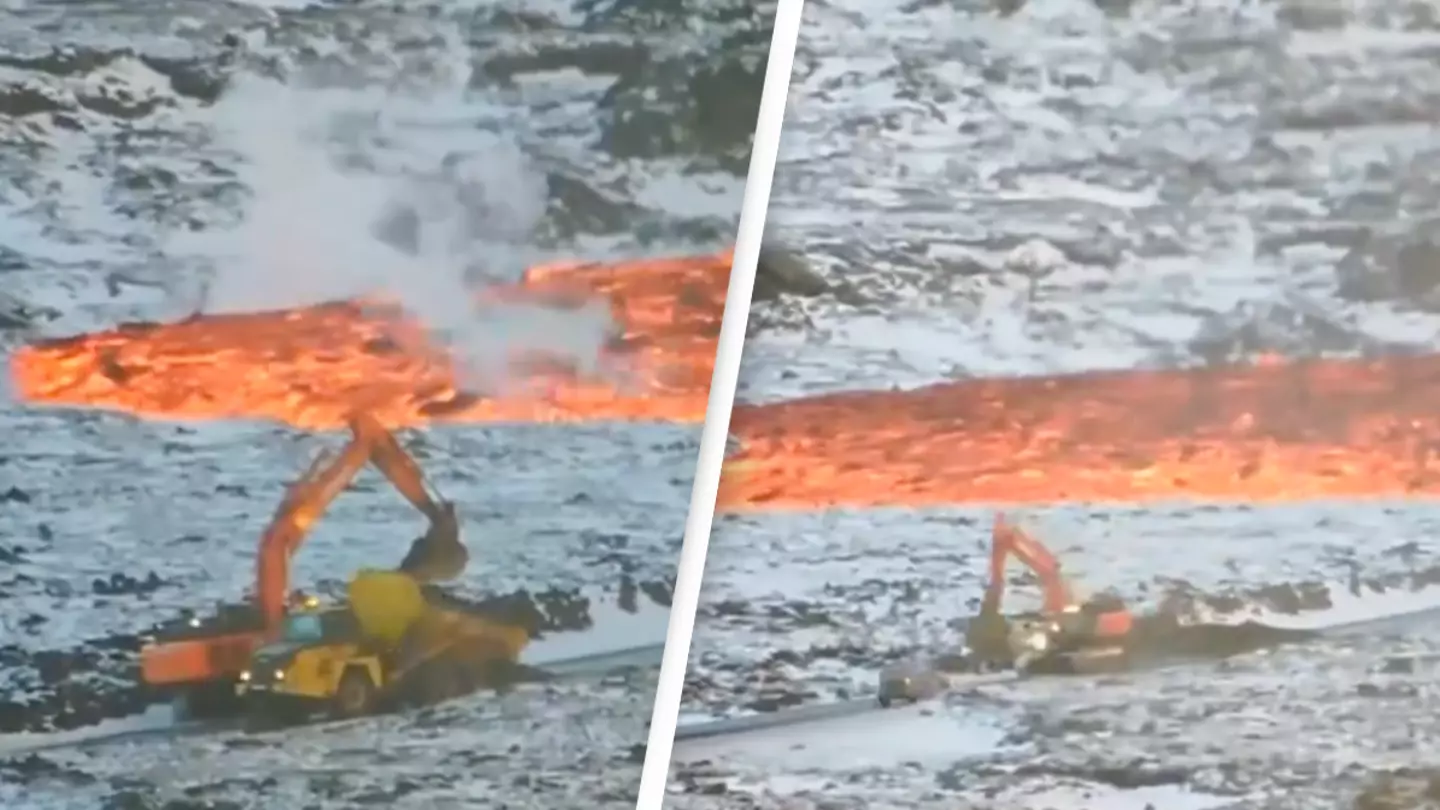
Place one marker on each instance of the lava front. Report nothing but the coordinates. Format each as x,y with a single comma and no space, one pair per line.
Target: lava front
1273,432
311,367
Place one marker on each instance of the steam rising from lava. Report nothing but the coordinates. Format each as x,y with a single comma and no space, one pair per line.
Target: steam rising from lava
334,213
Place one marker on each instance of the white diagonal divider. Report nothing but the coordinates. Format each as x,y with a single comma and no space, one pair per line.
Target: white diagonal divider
722,398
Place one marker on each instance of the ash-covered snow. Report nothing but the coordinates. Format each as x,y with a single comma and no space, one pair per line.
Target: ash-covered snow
155,161
1062,185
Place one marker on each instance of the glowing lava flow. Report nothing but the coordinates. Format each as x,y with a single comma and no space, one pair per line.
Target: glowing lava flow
1289,431
1298,430
310,366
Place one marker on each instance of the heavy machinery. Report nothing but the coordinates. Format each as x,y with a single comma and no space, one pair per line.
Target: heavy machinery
391,644
202,660
1066,636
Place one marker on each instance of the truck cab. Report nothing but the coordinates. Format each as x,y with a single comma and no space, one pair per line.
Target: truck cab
302,670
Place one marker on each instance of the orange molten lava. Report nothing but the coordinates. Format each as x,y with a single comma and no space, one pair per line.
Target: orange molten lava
1290,431
311,366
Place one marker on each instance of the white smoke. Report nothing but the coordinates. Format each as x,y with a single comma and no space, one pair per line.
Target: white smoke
346,201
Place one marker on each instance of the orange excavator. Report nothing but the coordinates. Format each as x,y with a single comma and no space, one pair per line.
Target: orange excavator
1065,635
202,660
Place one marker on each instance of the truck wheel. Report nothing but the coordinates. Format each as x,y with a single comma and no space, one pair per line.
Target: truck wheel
499,675
438,682
504,675
265,713
355,696
207,701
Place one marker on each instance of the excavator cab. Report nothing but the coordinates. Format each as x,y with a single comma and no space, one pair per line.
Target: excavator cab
1067,635
300,602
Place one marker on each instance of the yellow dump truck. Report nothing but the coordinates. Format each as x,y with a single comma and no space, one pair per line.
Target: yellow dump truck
388,645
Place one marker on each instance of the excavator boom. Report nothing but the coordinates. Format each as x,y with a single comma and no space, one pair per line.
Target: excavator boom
397,465
1068,627
436,555
1008,539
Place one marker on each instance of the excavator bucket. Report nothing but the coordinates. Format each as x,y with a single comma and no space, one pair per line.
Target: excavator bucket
988,637
438,555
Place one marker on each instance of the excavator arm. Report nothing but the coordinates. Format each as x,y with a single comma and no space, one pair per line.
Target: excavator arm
437,555
1068,625
397,465
1007,539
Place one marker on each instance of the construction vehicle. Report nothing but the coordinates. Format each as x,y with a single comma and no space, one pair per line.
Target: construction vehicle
390,645
202,660
1066,636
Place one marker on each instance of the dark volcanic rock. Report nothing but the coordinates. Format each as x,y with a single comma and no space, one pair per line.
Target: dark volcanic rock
553,610
1184,600
1290,328
32,768
1404,789
782,272
64,689
660,592
1403,269
1127,776
125,585
15,495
